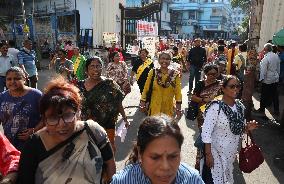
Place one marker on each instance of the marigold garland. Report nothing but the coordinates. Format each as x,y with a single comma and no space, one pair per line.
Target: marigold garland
170,80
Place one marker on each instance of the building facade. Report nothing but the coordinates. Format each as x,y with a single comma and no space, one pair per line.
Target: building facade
165,16
272,20
107,18
238,17
201,18
95,17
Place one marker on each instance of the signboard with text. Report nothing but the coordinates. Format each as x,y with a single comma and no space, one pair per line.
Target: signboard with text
149,43
145,28
109,38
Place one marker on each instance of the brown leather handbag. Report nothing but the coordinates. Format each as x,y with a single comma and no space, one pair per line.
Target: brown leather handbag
250,156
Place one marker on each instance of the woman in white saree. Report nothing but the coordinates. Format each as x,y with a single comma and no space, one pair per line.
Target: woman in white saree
66,150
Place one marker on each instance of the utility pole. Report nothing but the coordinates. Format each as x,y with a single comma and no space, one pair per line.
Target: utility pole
24,18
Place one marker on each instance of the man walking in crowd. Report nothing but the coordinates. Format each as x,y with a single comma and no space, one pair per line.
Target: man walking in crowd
6,62
27,61
196,59
12,50
269,77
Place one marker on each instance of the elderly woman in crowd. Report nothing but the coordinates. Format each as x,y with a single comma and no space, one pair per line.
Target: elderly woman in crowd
151,162
165,95
9,161
62,65
224,123
117,70
66,150
102,98
206,90
19,106
141,68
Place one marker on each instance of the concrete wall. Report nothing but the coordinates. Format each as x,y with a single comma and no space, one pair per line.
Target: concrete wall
86,10
107,17
272,20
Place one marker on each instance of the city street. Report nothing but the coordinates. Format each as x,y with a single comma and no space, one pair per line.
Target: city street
238,41
269,137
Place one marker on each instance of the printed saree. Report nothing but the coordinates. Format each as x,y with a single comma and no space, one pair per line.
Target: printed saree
83,164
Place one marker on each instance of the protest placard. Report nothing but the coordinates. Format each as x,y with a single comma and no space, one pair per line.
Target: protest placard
109,38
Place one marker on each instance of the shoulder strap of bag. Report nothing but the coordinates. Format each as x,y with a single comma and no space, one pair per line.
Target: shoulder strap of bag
60,145
91,134
243,60
219,108
23,50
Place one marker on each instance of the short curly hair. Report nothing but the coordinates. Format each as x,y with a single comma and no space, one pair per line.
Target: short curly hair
59,94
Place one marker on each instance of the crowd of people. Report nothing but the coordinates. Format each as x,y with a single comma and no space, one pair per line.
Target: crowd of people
66,133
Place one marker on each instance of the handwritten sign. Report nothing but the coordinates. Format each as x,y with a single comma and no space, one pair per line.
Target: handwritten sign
109,38
145,28
149,43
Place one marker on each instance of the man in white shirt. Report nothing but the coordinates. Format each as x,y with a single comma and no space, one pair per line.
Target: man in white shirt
6,62
12,50
269,77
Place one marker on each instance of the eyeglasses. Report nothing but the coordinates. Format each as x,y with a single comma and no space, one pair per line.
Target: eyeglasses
234,86
95,67
67,118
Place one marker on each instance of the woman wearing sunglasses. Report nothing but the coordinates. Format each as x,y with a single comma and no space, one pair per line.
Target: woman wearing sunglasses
205,91
224,123
66,150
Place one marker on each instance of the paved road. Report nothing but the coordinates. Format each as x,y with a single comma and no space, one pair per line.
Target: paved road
269,137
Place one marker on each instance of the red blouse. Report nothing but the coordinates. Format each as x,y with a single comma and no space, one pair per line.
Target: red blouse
10,156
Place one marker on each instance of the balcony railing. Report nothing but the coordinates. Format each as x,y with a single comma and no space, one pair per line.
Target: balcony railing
142,12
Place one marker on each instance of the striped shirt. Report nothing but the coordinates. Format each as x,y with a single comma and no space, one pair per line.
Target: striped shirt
28,59
133,174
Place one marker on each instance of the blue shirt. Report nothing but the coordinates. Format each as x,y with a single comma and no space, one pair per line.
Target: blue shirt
133,174
19,113
28,59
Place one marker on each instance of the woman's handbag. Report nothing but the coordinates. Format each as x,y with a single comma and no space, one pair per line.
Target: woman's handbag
250,156
192,110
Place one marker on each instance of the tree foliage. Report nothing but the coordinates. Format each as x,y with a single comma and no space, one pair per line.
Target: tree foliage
243,4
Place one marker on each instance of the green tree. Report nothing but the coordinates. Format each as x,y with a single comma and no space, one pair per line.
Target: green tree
243,4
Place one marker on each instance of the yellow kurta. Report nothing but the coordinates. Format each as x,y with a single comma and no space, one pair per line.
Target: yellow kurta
229,56
162,100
